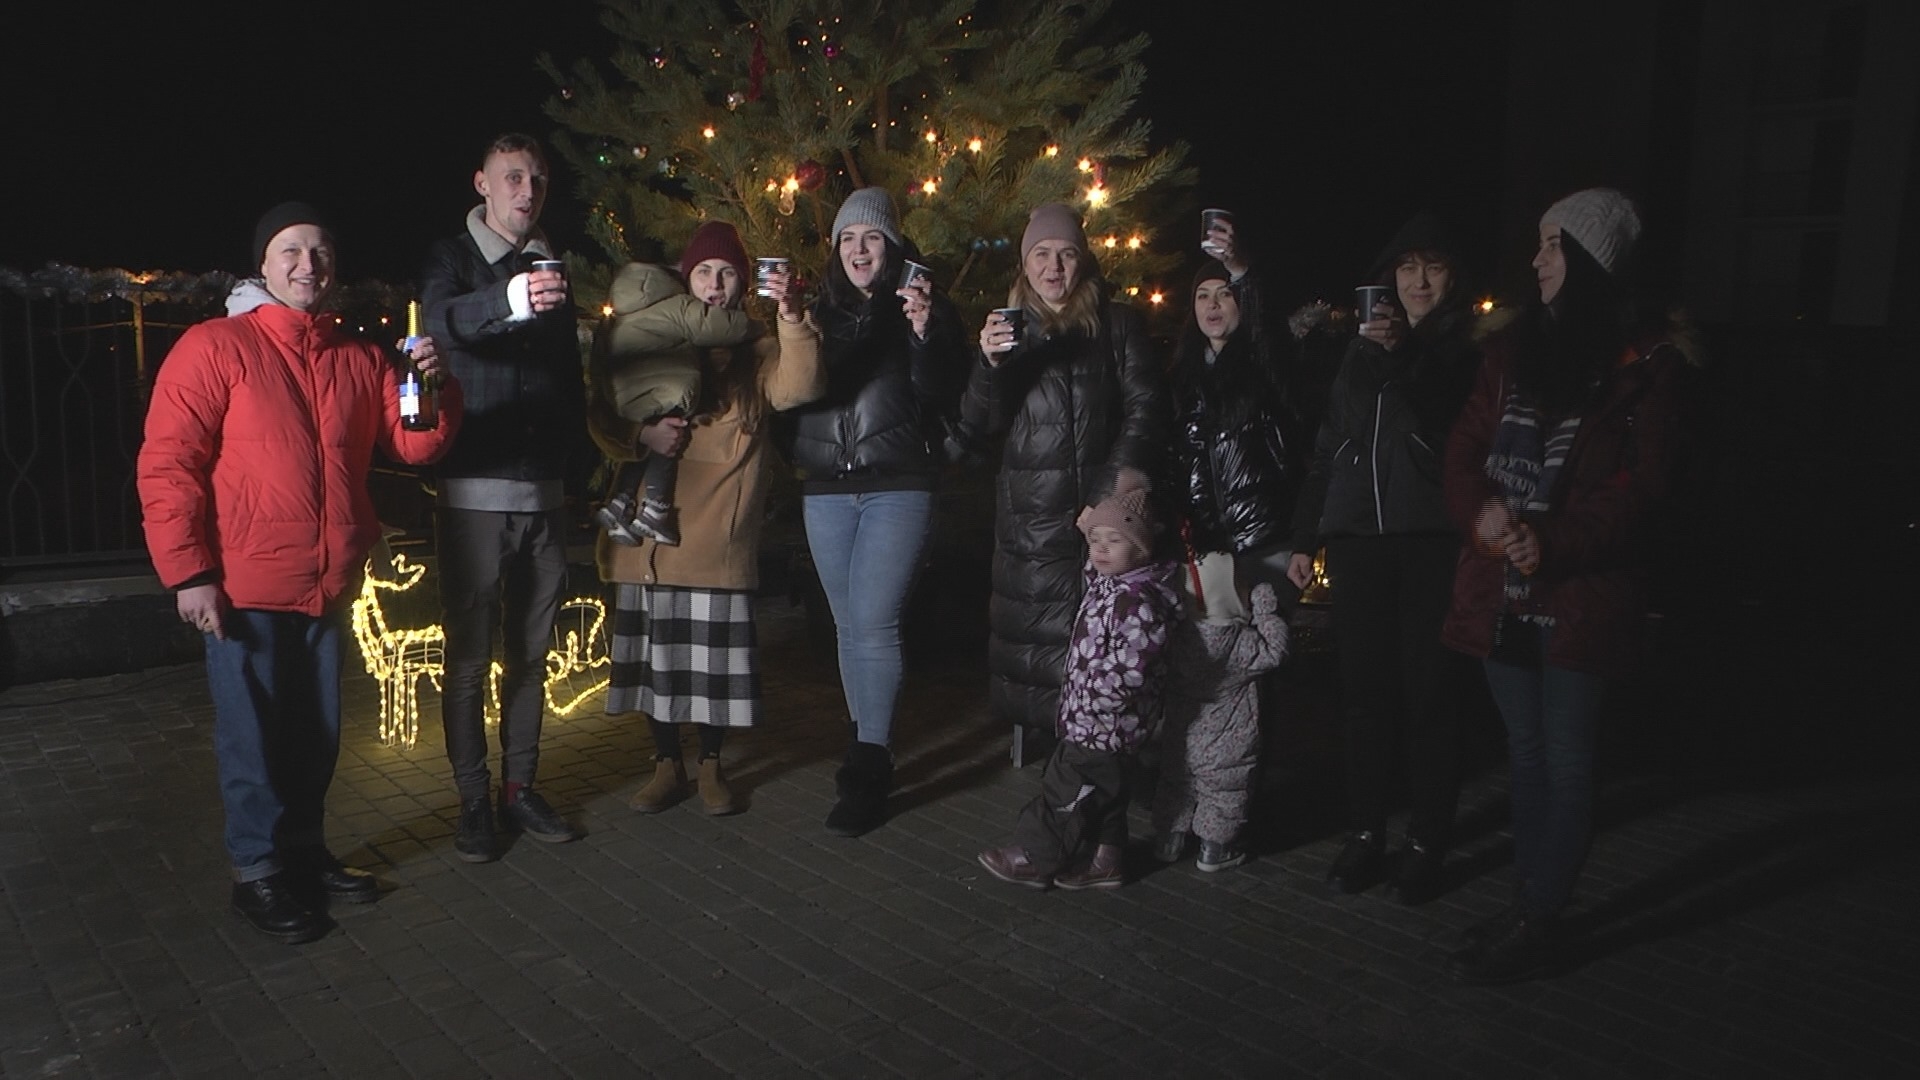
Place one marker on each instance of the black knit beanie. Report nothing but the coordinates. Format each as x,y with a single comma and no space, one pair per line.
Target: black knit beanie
280,217
1214,270
1424,231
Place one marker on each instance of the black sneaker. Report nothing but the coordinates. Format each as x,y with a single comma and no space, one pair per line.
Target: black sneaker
269,904
473,839
1418,873
530,813
1362,863
655,519
319,873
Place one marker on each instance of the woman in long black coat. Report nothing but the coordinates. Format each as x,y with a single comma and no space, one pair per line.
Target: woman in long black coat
1075,395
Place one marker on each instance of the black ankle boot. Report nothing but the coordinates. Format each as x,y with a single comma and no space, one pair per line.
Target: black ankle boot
862,785
1362,863
1418,872
1524,949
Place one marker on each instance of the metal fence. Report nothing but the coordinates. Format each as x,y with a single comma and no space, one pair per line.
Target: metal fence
74,380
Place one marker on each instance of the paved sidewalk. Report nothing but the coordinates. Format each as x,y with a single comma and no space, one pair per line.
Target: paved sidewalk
1739,929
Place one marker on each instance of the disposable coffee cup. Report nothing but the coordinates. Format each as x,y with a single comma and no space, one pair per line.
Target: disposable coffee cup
554,265
1366,296
1208,219
763,274
1016,321
915,275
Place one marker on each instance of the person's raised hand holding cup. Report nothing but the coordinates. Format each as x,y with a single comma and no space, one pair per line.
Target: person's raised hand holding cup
1379,320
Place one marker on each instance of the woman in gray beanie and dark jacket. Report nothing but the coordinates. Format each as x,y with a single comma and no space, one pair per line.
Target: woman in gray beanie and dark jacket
1073,397
868,454
1372,496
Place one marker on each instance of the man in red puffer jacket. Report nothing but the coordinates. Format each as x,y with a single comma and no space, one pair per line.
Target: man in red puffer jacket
253,489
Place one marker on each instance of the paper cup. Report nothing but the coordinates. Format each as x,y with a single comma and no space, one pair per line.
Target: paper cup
1017,319
915,274
1366,296
554,265
763,273
1208,219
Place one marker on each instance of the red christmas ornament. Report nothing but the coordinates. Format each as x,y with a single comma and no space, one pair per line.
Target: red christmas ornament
756,68
811,174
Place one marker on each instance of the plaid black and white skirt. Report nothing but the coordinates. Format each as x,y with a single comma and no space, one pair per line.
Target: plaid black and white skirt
685,656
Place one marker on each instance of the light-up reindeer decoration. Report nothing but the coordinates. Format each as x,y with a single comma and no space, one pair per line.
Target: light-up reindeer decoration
399,658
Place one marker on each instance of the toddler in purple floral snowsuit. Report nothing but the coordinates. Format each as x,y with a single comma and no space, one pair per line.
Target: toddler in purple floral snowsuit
1109,704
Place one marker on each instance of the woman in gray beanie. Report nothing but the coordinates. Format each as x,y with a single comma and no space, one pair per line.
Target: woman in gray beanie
1072,397
868,452
1558,470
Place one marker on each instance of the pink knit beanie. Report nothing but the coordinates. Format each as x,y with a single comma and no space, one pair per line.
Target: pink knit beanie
1054,221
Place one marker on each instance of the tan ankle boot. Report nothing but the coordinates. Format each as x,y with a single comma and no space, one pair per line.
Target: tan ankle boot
715,796
668,786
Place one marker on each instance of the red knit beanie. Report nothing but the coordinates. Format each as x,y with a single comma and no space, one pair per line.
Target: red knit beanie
715,240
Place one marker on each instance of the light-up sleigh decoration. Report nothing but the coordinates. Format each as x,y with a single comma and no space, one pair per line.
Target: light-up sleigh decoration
399,658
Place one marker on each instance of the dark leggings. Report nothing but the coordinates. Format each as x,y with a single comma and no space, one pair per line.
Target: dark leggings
666,739
1399,687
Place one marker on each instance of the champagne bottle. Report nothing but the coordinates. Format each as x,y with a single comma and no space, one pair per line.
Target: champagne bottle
419,397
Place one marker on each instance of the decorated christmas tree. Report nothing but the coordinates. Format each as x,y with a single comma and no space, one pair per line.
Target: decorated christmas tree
766,113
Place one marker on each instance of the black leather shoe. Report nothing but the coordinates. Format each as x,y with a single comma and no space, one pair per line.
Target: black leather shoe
1362,863
1418,872
1525,950
530,813
473,837
322,873
269,904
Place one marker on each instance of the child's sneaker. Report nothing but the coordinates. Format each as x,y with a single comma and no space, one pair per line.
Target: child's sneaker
655,519
1170,848
614,516
1219,856
1011,865
1103,871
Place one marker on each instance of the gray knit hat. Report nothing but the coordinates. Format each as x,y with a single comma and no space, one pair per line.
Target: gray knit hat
1053,221
870,206
1602,221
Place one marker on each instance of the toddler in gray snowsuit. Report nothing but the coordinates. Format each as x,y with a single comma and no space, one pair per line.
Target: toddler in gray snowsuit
1210,741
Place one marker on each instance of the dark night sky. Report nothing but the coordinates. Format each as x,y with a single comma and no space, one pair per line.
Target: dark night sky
150,138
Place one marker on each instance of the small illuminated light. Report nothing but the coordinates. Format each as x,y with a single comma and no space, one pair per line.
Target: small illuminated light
606,310
975,145
1156,298
792,184
1096,196
707,131
1086,165
1134,242
772,187
337,320
931,137
1133,290
1486,305
1112,242
931,187
383,320
1053,151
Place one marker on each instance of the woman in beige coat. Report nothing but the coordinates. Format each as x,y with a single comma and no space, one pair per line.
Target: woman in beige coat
684,648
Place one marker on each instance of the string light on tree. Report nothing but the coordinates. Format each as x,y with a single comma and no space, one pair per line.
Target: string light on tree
975,144
1096,196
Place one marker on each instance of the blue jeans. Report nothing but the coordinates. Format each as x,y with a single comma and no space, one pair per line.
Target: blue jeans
867,549
275,683
1551,716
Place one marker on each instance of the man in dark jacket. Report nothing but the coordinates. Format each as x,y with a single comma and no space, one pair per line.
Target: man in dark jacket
507,327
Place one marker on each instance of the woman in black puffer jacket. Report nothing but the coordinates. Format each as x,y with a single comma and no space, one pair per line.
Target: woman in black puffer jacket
868,454
1373,495
1076,397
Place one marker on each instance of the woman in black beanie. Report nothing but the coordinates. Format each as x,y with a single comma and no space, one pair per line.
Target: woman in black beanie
1372,496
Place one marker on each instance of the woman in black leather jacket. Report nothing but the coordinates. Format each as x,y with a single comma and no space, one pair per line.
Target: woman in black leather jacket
1372,495
868,454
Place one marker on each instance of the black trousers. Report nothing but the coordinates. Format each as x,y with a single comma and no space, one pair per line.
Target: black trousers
1082,802
1400,689
653,478
506,570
